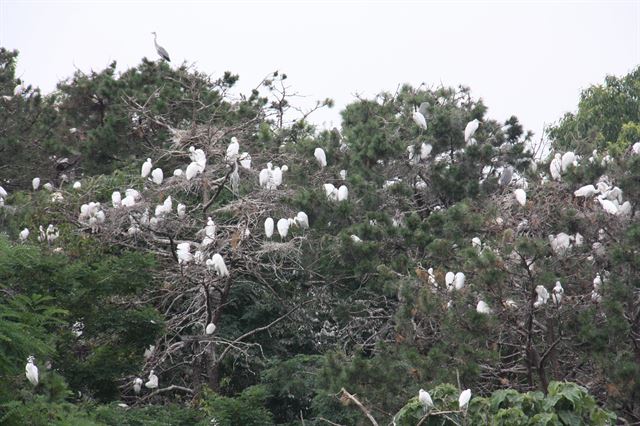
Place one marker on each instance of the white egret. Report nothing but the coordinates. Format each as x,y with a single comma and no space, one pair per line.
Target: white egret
419,119
48,186
52,233
182,210
586,191
157,176
234,179
425,150
183,252
31,371
355,239
211,328
555,168
3,192
265,175
116,199
596,297
331,191
177,172
470,129
302,220
217,263
149,352
425,399
343,174
128,201
209,233
458,281
464,398
24,234
193,169
560,243
476,243
133,193
276,178
321,157
153,381
283,228
543,296
268,227
137,385
511,304
146,168
625,209
597,283
567,160
483,308
635,148
35,183
233,149
608,205
245,160
557,294
198,156
449,278
521,196
343,193
77,185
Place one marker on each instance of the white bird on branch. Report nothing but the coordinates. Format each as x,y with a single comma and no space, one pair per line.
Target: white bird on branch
425,399
557,294
211,328
471,129
146,168
283,228
35,183
217,263
137,385
153,381
321,157
302,220
157,176
483,308
268,227
233,149
24,234
343,193
31,371
464,398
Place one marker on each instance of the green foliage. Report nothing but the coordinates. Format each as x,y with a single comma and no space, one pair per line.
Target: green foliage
244,410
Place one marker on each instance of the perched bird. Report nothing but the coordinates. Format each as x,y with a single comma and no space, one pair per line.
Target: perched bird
24,234
543,296
560,243
177,172
458,281
343,174
302,220
181,210
153,381
268,227
161,50
321,157
77,185
420,120
343,193
35,183
483,308
464,398
470,129
146,168
116,199
597,282
567,160
608,205
506,176
557,293
233,149
193,169
157,176
555,168
211,328
331,191
3,192
183,252
235,178
137,385
521,196
245,160
217,263
283,228
355,239
586,191
425,399
31,371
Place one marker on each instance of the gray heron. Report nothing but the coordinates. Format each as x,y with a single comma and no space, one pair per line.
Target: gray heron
161,50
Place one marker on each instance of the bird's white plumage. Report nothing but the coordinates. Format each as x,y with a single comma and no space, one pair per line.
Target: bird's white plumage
302,220
470,129
521,196
283,227
31,371
146,168
420,120
555,168
343,193
24,234
268,227
35,183
211,328
557,294
465,397
586,191
321,157
483,308
425,399
137,385
157,176
153,381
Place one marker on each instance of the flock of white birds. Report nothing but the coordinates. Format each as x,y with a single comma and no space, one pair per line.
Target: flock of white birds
93,214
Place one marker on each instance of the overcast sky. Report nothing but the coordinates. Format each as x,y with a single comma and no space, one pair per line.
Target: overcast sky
530,59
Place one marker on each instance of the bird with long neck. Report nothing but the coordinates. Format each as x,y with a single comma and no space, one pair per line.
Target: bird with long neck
161,50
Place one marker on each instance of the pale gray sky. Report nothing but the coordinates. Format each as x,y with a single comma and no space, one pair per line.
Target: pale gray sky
530,59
